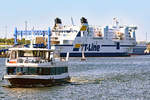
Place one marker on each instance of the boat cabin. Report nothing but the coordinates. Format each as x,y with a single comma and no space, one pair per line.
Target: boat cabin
22,61
34,55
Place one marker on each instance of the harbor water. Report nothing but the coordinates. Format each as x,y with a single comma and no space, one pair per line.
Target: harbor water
104,78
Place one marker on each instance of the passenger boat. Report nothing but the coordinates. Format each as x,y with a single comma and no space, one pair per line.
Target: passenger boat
30,66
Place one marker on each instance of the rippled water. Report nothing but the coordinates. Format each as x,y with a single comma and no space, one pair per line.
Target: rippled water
117,78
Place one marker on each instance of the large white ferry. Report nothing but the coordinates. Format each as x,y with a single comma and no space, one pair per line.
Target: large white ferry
29,66
94,41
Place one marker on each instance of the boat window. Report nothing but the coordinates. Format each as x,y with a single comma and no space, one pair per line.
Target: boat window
32,71
60,70
20,60
45,71
36,71
57,71
25,53
11,70
39,71
47,56
41,54
28,54
21,53
13,55
53,70
35,53
25,70
18,69
65,69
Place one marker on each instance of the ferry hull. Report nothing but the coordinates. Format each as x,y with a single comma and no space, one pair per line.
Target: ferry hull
95,54
26,82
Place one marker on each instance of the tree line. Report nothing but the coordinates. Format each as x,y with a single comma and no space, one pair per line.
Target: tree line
5,41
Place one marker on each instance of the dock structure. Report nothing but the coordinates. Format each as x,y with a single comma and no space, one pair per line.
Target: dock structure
3,53
36,34
37,37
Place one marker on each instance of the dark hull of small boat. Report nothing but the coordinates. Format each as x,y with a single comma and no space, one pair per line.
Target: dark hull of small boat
24,82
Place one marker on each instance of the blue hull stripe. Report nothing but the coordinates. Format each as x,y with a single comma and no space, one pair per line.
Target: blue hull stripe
102,45
115,45
95,54
63,45
75,49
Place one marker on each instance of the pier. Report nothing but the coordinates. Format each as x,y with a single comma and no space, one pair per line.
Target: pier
3,53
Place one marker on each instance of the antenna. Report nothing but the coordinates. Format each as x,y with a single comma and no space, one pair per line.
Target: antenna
31,43
72,21
5,37
115,22
26,26
25,30
6,31
146,37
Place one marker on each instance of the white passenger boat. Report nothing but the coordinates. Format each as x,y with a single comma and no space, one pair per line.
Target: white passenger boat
29,66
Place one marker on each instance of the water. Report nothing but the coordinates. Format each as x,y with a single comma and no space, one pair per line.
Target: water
117,78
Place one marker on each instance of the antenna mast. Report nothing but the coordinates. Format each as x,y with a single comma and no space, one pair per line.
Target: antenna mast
25,30
146,37
72,21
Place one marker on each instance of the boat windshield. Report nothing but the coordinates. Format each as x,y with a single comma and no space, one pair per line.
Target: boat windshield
41,54
34,56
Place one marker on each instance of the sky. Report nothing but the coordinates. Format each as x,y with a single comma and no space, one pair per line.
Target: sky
40,14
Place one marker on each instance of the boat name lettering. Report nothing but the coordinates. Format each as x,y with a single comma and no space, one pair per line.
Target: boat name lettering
91,47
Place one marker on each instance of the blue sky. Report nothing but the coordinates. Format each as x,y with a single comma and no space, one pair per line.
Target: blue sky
41,13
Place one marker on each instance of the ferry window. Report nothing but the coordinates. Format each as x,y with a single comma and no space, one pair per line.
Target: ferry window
47,55
35,54
11,70
19,69
25,70
61,70
32,71
52,71
65,69
28,54
58,70
44,55
39,71
21,53
45,71
13,55
40,54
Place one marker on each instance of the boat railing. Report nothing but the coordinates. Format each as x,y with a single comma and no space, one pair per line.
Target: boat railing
28,60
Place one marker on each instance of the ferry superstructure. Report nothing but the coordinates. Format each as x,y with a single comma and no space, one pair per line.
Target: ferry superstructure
109,41
62,34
